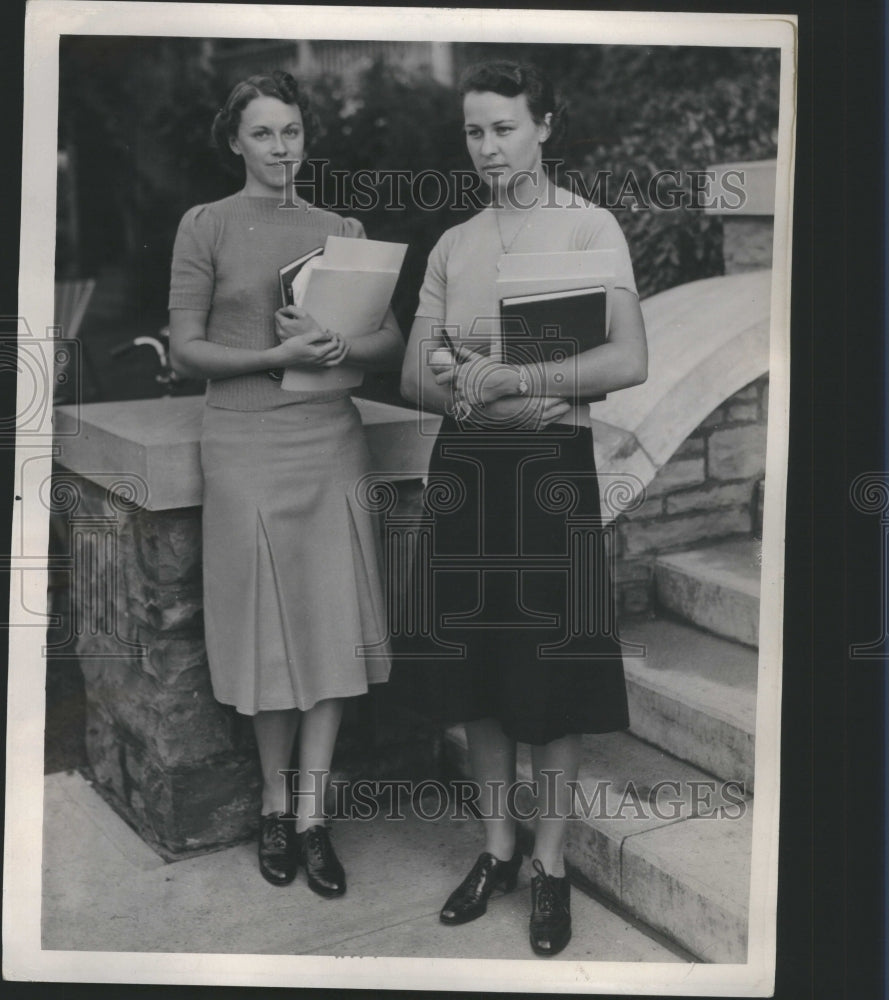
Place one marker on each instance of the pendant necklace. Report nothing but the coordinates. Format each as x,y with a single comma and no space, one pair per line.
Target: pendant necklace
506,247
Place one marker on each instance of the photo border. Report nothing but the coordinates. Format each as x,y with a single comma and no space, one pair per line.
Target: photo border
49,19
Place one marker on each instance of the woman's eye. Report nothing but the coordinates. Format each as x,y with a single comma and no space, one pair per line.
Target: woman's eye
503,130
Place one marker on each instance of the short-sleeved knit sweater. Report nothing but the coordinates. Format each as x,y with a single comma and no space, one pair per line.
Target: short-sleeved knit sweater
225,260
460,286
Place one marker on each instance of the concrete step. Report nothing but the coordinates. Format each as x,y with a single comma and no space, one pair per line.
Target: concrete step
694,695
661,839
716,587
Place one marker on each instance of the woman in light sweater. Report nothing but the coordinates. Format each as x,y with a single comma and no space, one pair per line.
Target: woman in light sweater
291,562
518,441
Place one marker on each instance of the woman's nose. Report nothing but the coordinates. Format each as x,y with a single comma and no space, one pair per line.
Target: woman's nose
489,144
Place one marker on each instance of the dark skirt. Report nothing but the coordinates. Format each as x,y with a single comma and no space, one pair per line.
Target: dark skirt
518,623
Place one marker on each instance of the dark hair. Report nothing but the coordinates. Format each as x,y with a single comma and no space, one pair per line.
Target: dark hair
275,84
509,78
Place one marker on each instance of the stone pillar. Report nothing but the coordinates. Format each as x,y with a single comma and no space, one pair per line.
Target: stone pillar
744,195
181,767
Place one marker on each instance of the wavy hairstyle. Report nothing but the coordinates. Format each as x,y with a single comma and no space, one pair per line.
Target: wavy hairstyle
509,78
278,84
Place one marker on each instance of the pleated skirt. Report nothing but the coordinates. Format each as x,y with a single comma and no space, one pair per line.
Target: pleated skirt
520,590
293,601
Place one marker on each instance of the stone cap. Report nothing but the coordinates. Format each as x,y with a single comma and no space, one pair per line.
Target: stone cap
158,440
742,188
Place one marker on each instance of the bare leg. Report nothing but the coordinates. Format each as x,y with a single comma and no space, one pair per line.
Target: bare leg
275,733
555,799
492,759
317,738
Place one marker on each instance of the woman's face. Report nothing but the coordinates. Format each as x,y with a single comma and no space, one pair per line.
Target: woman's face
269,131
502,137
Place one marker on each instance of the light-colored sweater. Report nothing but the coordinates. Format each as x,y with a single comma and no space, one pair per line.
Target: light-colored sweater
225,260
460,286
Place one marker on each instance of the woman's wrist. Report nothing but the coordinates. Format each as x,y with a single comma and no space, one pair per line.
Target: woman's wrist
523,383
273,357
505,380
515,382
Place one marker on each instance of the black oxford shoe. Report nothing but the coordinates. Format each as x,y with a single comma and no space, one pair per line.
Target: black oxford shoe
470,899
550,928
277,849
323,869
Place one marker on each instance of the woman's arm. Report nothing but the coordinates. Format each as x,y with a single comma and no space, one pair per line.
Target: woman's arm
193,356
617,364
381,350
430,386
418,383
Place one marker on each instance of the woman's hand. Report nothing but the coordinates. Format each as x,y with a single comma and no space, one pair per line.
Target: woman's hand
304,343
440,360
339,356
478,379
293,321
531,413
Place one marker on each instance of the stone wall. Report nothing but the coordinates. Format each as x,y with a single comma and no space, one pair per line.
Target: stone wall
747,242
708,490
173,761
180,767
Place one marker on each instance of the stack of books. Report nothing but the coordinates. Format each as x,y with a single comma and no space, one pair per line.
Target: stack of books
346,286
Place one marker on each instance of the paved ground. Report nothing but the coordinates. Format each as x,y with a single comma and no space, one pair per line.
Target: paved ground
105,890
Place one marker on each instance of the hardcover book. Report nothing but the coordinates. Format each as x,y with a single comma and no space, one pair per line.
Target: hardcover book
553,326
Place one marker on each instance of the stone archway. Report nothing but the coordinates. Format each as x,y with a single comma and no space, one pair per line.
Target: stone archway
706,340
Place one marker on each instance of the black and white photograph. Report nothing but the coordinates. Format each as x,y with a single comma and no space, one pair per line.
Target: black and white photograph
402,444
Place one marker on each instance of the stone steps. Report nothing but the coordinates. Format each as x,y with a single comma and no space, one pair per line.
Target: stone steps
694,695
715,587
661,839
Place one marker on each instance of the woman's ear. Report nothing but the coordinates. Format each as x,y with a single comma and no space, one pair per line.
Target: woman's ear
234,145
546,126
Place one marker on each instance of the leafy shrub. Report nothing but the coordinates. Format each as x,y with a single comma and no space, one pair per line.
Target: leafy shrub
637,110
135,113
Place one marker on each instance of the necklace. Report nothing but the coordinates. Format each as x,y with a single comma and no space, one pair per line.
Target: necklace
506,247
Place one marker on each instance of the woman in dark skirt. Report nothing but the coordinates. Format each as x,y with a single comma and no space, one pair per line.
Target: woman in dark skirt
515,456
